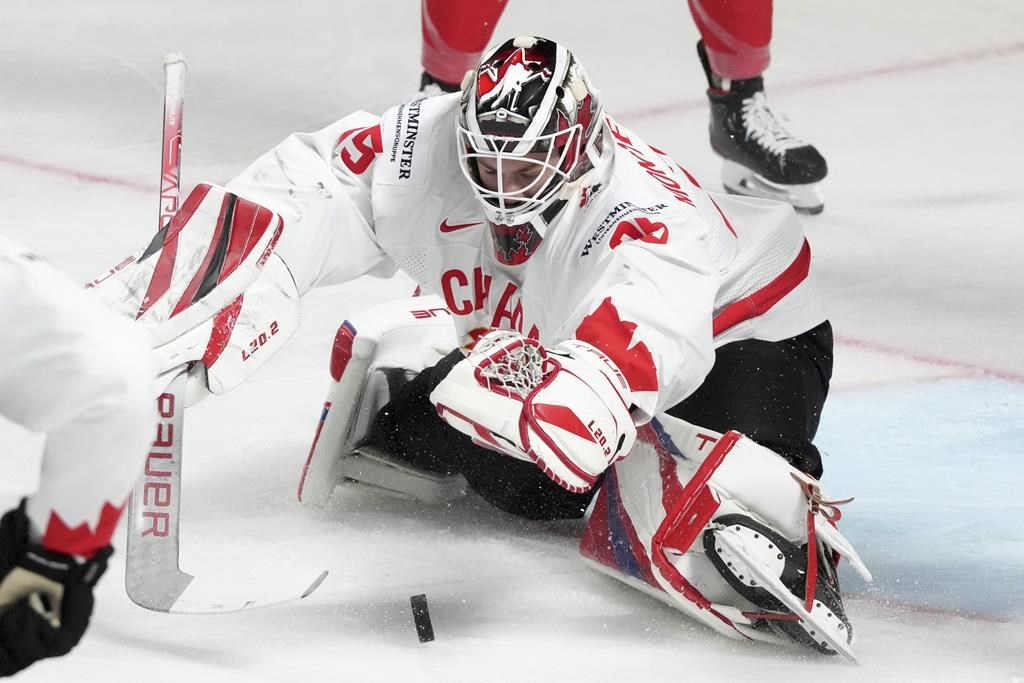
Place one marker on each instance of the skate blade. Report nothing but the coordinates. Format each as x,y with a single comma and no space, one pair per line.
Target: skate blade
816,625
742,181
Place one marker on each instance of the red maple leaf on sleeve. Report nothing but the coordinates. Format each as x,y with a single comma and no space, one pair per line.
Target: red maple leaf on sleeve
606,330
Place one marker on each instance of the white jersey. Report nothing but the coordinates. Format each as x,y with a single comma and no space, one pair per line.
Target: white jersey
72,369
640,261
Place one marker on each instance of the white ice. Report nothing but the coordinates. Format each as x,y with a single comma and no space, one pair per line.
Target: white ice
918,108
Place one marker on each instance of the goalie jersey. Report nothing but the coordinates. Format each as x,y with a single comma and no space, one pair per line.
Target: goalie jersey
638,260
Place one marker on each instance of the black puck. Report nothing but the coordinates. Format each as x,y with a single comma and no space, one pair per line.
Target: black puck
421,617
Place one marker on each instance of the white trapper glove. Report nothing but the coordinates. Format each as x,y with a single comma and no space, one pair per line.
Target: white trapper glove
565,409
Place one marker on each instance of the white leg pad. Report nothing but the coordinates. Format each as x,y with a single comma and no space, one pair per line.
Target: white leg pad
410,334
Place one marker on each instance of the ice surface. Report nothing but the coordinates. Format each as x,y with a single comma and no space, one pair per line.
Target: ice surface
920,250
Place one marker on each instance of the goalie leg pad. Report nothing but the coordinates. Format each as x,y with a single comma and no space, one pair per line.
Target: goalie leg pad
641,504
367,350
685,544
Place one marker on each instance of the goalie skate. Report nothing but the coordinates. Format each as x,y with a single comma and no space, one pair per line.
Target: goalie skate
740,180
768,571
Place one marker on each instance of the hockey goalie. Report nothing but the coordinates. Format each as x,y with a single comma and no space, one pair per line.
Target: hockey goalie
599,337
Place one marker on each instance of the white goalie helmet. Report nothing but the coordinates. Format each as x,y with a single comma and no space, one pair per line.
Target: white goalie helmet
529,128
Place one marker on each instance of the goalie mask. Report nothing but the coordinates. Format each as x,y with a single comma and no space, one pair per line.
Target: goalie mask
529,128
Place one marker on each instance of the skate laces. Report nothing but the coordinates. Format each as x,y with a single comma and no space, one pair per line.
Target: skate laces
829,509
765,128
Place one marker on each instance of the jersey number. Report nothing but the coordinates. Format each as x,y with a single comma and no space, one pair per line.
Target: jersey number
359,146
640,228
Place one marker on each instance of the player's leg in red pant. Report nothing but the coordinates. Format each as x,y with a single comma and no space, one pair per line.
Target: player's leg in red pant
761,157
455,33
736,35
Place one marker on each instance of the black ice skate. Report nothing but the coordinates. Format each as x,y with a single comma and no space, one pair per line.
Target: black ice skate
771,572
761,158
431,86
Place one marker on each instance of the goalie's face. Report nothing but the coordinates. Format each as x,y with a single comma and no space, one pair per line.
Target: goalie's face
516,179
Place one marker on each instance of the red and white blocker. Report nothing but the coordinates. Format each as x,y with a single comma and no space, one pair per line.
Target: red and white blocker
210,289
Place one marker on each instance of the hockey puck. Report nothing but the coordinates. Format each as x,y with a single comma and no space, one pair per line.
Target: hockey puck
421,617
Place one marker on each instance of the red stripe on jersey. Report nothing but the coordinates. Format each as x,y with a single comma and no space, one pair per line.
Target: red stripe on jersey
223,325
605,330
81,540
160,282
696,183
763,299
722,214
689,176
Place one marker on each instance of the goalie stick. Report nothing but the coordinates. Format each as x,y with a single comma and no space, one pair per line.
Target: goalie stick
153,578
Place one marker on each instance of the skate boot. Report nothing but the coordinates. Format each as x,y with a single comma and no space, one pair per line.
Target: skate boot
772,573
761,158
430,86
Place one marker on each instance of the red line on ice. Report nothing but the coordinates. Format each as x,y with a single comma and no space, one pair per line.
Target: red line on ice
1008,50
966,369
936,611
83,176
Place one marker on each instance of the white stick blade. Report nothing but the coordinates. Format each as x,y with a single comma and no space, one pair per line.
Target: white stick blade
218,595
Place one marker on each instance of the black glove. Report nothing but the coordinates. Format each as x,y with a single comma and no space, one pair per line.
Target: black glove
47,618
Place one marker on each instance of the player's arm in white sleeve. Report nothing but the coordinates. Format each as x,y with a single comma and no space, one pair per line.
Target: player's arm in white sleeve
651,313
73,370
320,185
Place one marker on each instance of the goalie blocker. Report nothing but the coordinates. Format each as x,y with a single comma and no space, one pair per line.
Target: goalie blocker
209,291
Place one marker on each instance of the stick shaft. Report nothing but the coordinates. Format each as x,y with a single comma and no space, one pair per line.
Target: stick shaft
170,152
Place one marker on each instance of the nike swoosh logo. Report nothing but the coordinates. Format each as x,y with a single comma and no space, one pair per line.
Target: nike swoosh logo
448,227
